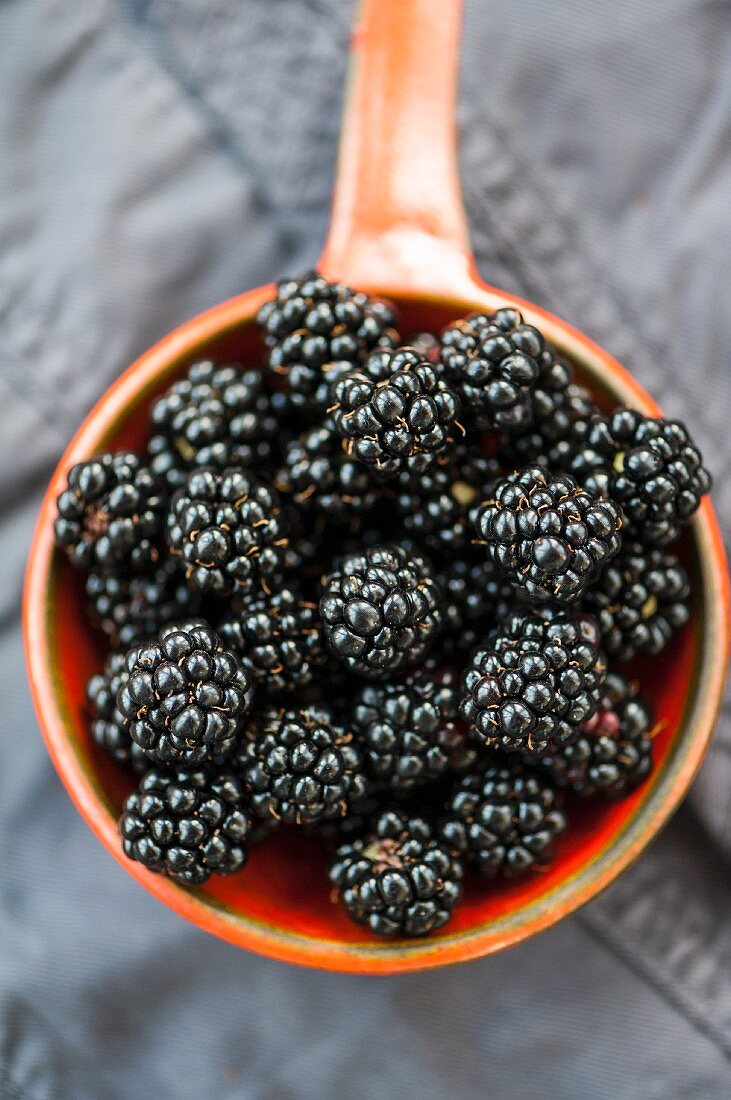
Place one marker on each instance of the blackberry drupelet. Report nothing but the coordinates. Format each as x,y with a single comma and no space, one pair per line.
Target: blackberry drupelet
537,678
399,880
640,600
300,766
315,331
130,608
410,730
548,535
318,475
216,416
111,513
187,824
108,727
227,528
279,637
650,467
495,361
505,819
382,610
184,697
476,596
397,414
613,753
435,508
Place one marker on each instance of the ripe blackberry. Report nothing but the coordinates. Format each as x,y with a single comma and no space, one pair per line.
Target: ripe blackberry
332,689
216,416
227,527
381,610
505,819
410,730
396,413
535,680
560,406
315,331
335,831
108,727
495,361
435,507
640,600
613,753
548,535
131,608
424,800
650,467
111,513
426,344
184,697
280,638
476,596
299,766
318,474
399,880
187,824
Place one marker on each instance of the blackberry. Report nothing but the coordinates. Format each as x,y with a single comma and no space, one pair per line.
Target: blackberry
535,680
303,555
381,610
495,360
396,414
476,596
410,730
358,819
111,513
548,535
425,800
613,753
316,331
131,608
108,727
187,824
299,766
227,528
560,407
279,637
216,416
426,344
505,819
185,697
640,600
333,688
650,467
435,508
399,880
318,474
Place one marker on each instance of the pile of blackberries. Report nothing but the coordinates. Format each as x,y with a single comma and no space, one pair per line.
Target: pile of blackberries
372,590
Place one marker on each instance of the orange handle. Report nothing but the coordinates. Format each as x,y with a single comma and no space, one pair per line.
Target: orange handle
398,220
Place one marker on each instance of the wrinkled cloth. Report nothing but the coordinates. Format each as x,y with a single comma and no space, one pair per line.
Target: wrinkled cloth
161,155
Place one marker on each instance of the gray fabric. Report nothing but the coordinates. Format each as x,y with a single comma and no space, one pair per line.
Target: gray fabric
159,155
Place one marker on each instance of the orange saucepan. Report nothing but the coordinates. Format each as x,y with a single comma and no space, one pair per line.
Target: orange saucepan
398,228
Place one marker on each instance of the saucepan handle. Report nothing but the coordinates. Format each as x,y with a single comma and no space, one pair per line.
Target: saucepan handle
398,221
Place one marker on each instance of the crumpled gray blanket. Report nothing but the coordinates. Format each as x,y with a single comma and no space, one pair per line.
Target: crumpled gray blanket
160,155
